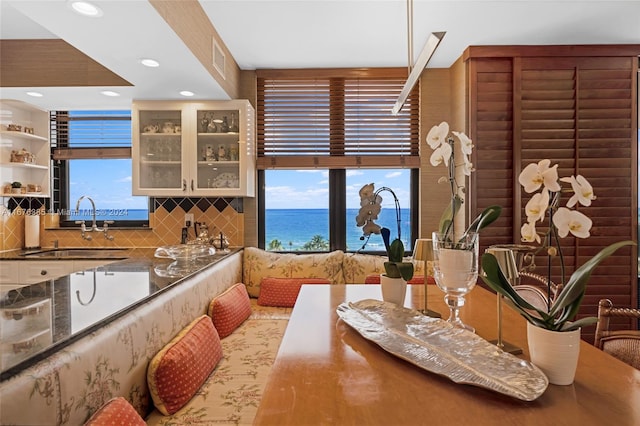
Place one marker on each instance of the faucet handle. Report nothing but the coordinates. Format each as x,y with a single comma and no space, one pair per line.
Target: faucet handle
79,222
108,222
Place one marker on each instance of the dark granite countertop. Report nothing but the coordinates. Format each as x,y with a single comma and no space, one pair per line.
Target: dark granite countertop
38,320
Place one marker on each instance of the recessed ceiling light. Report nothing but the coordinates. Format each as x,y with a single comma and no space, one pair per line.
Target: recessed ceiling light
151,63
35,94
87,9
110,93
186,93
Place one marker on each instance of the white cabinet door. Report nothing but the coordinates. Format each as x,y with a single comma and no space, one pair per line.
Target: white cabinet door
32,272
223,163
193,148
158,141
9,272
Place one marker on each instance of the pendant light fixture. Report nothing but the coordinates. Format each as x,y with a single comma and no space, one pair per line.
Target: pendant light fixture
414,71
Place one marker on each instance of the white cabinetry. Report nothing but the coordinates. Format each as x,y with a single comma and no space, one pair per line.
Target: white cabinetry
25,329
34,271
193,148
24,149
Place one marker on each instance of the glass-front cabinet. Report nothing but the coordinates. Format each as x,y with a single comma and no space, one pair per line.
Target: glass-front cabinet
193,148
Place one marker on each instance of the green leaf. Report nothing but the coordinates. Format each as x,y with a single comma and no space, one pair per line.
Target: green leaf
392,270
574,290
582,322
396,251
484,219
447,215
406,270
495,279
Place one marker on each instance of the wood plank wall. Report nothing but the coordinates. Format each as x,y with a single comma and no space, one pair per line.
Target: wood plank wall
21,66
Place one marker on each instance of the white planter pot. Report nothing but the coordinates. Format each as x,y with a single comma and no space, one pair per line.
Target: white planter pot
554,352
393,289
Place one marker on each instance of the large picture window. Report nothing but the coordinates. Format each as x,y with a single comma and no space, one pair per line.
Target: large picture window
92,158
322,134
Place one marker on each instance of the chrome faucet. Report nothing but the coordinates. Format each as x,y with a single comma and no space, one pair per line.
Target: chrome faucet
94,226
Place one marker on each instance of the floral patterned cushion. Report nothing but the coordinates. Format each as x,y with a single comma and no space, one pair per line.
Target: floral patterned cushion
176,372
258,264
229,309
283,292
269,312
116,411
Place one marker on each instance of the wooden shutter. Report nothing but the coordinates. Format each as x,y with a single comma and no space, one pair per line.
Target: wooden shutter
339,119
579,112
492,134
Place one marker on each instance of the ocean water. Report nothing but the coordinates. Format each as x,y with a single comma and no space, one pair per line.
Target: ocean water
294,227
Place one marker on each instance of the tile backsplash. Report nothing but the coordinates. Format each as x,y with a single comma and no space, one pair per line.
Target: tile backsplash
166,219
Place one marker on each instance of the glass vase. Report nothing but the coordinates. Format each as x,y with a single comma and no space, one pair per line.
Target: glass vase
455,271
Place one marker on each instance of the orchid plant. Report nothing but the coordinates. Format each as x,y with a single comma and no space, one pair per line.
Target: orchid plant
370,207
562,221
442,142
543,177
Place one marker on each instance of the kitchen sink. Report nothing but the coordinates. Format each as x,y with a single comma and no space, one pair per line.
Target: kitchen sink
81,253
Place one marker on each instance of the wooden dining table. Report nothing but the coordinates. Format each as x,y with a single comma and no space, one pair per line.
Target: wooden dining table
326,373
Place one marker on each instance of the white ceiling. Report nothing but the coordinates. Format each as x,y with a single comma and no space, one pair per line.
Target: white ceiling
296,34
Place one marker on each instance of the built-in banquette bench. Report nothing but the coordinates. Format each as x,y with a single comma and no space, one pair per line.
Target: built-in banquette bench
72,385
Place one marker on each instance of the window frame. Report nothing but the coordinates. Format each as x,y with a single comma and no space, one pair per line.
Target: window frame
338,212
61,154
338,158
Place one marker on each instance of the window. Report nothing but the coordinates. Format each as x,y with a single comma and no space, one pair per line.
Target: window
296,210
322,134
399,181
298,218
92,158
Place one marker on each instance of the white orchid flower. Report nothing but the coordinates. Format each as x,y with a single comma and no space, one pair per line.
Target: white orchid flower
366,192
467,166
528,233
535,175
465,143
371,228
537,206
370,201
441,155
572,221
582,191
438,135
367,212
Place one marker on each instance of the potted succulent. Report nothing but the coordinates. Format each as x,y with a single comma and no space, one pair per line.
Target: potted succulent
553,328
16,187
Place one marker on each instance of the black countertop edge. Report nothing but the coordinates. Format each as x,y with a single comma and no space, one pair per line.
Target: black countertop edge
61,344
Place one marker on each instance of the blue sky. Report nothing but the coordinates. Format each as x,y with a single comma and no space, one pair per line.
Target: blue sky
109,187
309,189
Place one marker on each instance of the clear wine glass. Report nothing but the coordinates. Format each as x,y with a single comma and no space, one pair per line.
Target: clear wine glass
455,271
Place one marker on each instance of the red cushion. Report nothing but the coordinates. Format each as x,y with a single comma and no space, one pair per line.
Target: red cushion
116,411
417,279
283,292
176,372
229,309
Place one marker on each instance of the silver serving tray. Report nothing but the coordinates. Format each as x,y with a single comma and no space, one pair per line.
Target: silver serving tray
436,346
